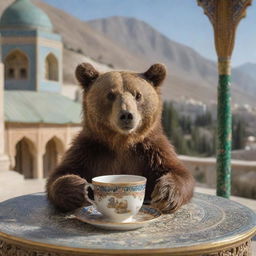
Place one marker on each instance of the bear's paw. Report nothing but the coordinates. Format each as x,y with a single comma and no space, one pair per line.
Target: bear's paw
167,196
67,192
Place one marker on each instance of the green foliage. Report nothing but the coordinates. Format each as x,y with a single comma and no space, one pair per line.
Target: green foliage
238,133
204,119
198,137
172,128
201,144
185,124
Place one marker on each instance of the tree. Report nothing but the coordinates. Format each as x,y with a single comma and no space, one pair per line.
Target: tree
185,124
238,133
204,119
188,137
170,121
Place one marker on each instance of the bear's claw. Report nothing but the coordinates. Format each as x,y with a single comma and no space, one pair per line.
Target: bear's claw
166,196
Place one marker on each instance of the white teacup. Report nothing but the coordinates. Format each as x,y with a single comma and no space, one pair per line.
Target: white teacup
118,197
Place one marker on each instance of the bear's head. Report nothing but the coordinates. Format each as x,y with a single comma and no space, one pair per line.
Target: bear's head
121,107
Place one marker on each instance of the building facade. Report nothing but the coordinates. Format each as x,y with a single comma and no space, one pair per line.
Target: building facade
31,52
4,160
37,123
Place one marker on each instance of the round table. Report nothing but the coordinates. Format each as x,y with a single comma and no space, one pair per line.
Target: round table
208,225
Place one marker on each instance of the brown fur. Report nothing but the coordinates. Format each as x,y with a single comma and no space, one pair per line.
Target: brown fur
87,73
101,149
156,74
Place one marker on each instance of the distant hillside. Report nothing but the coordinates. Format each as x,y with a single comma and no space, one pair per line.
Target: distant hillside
126,43
71,60
249,69
244,80
245,76
143,40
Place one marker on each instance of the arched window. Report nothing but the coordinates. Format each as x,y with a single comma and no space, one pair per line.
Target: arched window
24,160
51,68
54,149
16,66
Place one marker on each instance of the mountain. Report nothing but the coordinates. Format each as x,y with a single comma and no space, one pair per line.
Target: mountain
143,40
249,69
197,73
245,76
126,43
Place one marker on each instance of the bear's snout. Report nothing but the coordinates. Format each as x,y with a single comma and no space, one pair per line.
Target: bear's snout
125,117
126,120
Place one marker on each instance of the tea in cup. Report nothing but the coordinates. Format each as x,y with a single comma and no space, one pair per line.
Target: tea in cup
118,197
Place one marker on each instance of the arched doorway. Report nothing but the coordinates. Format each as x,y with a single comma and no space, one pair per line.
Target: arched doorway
24,160
16,66
53,151
51,68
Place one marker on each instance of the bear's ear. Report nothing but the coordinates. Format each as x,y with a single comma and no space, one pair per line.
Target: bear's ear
156,74
86,74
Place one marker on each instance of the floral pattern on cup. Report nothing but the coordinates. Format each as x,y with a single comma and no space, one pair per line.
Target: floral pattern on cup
137,191
120,206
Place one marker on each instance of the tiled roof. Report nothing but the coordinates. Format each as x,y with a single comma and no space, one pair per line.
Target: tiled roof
40,107
22,14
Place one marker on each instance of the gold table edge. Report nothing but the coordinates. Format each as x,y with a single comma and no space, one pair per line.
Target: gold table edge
200,248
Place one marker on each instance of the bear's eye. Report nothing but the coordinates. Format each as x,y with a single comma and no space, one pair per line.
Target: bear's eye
111,96
138,96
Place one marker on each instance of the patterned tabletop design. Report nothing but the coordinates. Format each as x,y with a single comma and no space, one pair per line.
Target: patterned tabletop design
206,219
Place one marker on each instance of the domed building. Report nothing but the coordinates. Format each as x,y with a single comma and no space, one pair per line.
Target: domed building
31,52
39,122
24,15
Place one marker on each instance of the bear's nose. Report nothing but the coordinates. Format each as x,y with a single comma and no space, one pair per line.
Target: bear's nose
126,116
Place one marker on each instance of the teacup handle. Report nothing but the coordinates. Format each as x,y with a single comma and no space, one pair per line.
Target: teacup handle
86,193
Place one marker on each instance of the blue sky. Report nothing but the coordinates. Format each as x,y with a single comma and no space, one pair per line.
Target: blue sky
180,20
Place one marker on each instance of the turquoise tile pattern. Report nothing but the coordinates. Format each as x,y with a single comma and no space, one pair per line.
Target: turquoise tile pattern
22,13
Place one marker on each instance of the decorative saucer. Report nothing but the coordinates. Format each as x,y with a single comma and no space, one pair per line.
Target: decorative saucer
91,216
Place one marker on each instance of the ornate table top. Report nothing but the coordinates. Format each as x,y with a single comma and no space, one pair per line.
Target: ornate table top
207,222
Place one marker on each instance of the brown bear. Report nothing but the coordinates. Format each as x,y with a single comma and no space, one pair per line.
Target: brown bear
121,134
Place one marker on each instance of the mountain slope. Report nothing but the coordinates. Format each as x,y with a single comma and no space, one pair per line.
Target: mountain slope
249,69
143,40
245,79
245,76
